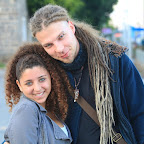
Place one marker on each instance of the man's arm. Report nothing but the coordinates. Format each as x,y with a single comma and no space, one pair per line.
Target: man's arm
133,86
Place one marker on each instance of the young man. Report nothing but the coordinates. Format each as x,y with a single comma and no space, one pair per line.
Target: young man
100,71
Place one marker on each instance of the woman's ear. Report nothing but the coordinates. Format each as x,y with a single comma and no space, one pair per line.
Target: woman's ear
19,85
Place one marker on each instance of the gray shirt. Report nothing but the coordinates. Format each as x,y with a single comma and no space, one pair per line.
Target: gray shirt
29,124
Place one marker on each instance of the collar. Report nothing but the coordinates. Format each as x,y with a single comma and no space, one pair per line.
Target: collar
39,106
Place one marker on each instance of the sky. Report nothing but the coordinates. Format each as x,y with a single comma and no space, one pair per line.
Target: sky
129,12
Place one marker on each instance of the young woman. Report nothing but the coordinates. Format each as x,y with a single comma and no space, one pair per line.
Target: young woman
36,89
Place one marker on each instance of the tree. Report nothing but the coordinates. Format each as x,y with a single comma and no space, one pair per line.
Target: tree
96,12
72,6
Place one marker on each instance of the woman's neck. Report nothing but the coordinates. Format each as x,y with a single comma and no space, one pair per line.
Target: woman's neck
55,119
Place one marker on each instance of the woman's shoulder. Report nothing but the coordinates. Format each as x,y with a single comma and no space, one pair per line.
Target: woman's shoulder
24,121
25,106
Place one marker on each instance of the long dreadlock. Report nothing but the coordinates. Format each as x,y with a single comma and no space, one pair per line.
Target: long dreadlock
99,75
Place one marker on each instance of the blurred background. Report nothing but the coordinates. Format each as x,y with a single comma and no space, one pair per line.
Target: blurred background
121,21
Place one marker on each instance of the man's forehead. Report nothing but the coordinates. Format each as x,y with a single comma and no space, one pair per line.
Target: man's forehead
52,32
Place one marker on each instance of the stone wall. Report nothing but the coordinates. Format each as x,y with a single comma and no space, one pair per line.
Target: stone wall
13,27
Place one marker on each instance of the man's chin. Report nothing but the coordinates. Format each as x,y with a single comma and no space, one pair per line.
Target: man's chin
67,61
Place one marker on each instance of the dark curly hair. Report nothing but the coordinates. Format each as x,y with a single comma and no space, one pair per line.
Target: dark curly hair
61,88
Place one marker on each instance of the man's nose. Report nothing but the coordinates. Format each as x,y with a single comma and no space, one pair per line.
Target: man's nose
59,47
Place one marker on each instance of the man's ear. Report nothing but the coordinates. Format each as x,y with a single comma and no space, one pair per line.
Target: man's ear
71,25
19,85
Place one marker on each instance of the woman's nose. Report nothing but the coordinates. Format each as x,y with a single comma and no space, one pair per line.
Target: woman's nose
37,87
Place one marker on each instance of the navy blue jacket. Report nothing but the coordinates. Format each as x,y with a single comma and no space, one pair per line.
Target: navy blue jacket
128,95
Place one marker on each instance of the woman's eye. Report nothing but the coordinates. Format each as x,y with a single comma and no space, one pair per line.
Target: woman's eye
42,79
29,83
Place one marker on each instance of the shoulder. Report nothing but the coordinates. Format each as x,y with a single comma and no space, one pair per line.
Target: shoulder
24,122
25,107
121,59
122,64
25,102
25,114
113,48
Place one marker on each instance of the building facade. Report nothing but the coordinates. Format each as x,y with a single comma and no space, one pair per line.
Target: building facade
13,27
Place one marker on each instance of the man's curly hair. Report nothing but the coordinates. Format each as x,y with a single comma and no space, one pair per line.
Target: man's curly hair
57,100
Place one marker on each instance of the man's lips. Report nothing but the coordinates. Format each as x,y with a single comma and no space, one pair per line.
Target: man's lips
65,55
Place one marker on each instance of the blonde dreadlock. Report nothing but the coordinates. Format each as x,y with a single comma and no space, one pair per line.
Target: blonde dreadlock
99,74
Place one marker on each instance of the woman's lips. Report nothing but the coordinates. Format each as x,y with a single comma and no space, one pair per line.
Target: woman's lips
39,94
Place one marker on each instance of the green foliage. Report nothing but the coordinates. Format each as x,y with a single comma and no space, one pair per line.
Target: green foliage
2,65
95,12
33,5
70,5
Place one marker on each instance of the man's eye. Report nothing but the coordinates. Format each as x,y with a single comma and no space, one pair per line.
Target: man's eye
61,36
48,46
42,79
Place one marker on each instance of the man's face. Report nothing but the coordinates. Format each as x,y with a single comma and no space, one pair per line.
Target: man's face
59,41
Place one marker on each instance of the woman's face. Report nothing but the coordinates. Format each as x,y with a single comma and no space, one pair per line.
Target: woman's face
35,83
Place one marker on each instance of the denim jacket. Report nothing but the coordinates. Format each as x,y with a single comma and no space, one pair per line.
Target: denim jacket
29,124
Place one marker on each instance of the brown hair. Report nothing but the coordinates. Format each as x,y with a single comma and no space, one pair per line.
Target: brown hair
57,100
28,61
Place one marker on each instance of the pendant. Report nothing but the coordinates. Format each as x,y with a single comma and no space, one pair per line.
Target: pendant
76,92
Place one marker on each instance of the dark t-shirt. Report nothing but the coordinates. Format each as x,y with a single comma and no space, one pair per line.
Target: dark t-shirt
89,131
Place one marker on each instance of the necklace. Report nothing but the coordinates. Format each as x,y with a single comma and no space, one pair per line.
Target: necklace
76,90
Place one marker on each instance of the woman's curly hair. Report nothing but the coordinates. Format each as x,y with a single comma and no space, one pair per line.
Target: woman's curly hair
60,86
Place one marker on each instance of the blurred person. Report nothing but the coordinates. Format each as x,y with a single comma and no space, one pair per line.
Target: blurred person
41,109
142,44
134,47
